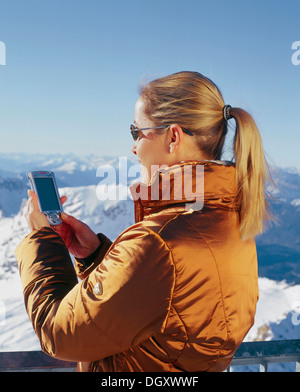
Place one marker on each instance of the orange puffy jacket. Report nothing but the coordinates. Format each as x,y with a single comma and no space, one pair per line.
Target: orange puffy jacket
177,291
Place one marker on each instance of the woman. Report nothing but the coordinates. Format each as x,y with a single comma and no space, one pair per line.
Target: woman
177,291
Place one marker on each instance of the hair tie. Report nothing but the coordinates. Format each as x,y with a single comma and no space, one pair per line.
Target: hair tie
226,112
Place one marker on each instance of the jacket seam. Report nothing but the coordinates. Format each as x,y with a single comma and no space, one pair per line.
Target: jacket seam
165,224
219,278
157,234
173,306
171,301
187,335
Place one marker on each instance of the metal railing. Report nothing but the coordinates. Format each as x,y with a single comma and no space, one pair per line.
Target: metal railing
264,353
33,361
249,353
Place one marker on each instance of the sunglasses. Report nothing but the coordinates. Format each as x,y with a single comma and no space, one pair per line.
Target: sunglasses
135,131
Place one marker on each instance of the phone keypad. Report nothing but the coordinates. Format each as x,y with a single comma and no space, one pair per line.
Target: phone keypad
53,218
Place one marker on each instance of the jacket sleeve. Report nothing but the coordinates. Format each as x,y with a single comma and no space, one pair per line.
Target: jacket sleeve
84,266
122,302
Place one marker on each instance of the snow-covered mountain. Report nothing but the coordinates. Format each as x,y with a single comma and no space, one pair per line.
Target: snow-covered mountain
79,177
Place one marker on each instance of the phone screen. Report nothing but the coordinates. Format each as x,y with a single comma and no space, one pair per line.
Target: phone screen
47,194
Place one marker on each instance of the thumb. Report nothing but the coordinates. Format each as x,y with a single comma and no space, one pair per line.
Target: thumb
65,217
31,193
33,199
70,220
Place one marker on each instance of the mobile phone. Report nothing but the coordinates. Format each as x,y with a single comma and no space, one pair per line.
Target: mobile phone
44,185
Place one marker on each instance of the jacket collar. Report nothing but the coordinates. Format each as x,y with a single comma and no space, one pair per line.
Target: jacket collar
189,184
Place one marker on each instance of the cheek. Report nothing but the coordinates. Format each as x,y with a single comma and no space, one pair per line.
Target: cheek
143,148
150,151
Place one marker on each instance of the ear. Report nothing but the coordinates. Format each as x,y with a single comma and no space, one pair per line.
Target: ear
174,138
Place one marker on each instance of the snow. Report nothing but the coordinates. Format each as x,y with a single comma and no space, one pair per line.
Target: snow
68,167
16,332
278,301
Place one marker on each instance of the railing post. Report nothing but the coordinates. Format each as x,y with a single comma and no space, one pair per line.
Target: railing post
263,366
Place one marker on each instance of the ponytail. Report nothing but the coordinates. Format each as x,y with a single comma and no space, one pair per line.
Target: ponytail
251,174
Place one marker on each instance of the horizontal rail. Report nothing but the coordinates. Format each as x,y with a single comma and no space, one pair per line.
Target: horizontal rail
249,353
32,361
262,353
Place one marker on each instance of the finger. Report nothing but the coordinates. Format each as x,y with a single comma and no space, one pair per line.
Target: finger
70,220
30,193
33,200
63,199
65,232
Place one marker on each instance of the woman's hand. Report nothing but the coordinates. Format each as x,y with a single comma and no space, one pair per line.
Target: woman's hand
80,240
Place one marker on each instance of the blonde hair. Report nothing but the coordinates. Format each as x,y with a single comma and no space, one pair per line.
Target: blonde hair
195,103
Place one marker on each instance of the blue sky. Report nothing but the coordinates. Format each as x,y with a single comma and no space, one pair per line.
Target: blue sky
73,68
